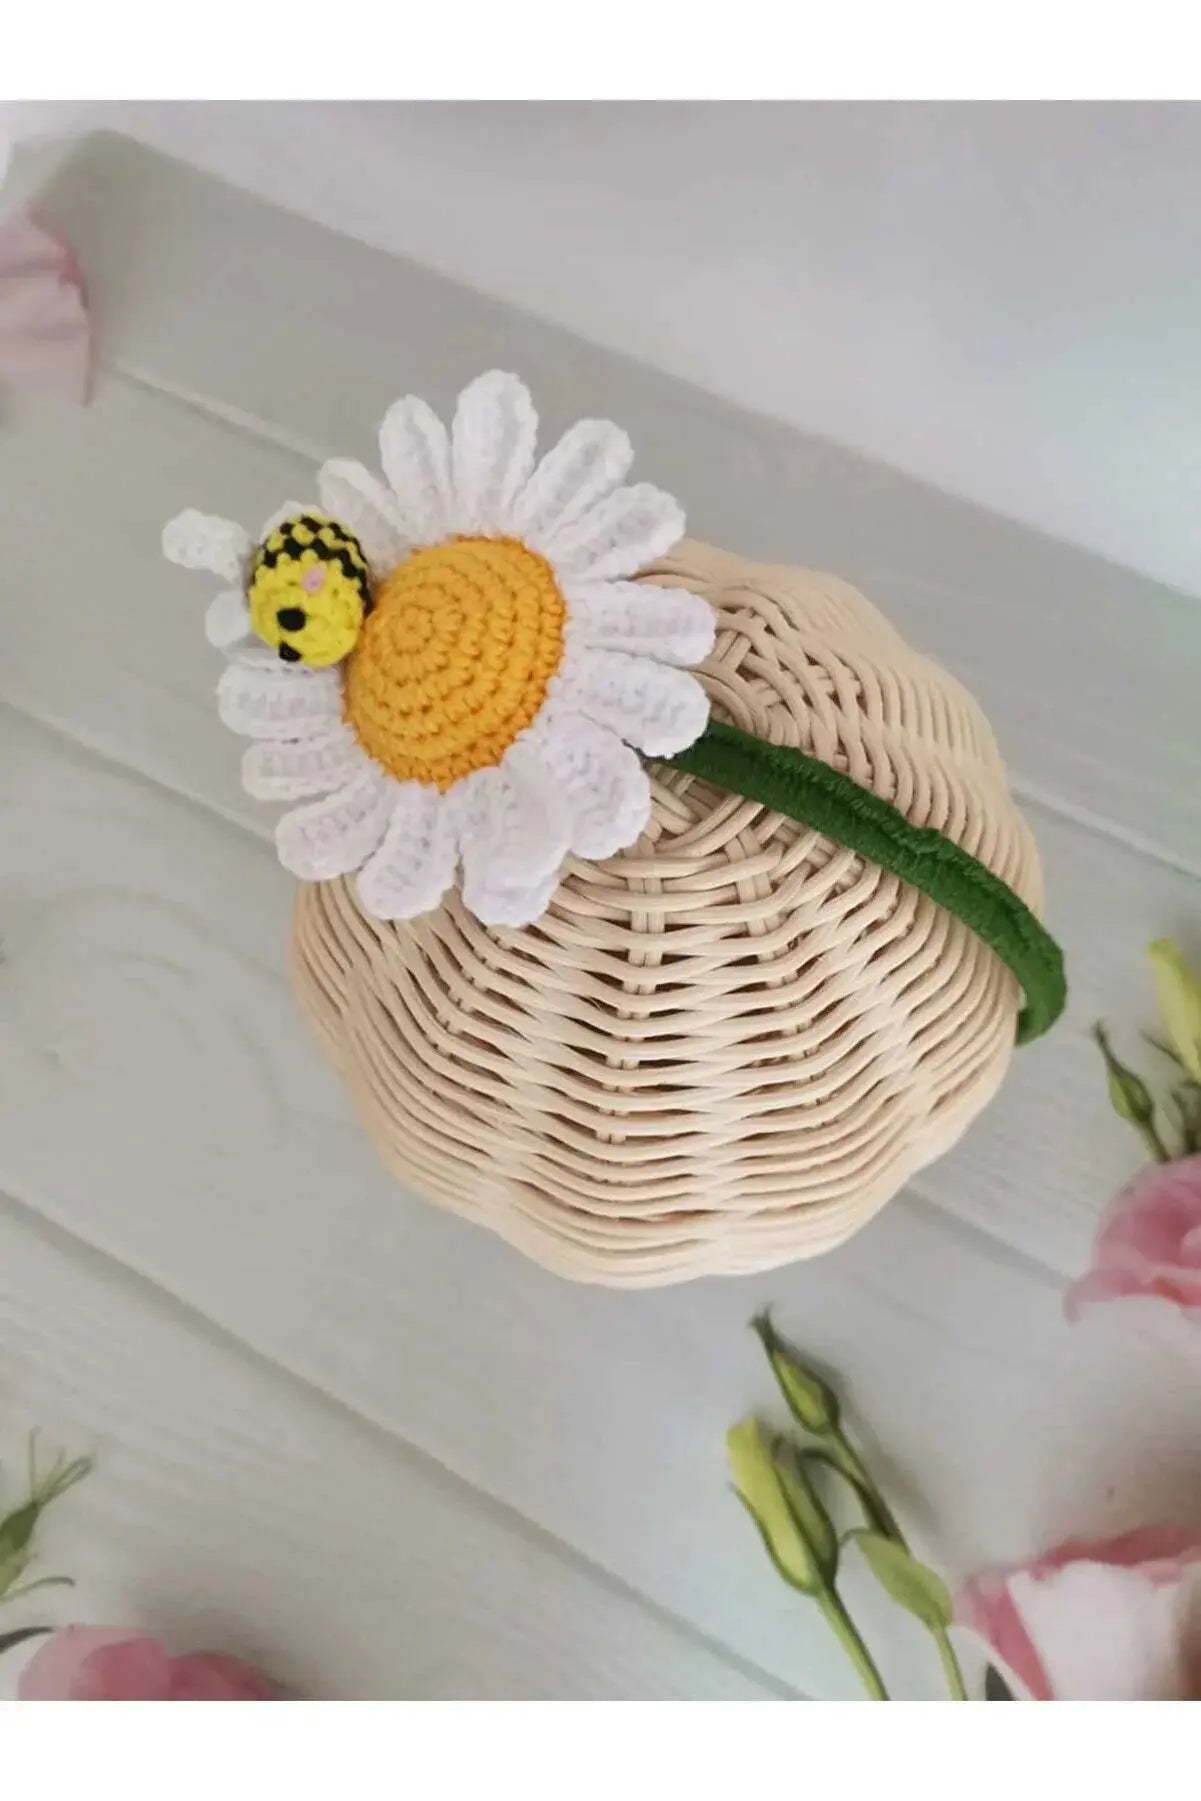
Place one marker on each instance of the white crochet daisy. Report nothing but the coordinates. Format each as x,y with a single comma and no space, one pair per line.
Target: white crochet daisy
498,670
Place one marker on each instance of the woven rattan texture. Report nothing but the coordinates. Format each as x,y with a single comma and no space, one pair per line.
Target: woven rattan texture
729,1046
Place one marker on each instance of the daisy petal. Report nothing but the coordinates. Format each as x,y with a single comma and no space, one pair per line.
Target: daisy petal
415,863
290,771
269,701
351,495
251,653
415,454
657,710
587,463
668,624
227,620
607,791
513,825
493,904
492,451
203,541
335,836
619,536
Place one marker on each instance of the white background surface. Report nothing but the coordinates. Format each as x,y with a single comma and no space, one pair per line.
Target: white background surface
340,1431
1000,298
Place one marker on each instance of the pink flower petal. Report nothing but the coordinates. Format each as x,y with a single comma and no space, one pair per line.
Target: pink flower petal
44,332
90,1663
1116,1618
1149,1243
1161,1550
137,1670
1097,1285
211,1676
985,1605
1106,1633
60,1664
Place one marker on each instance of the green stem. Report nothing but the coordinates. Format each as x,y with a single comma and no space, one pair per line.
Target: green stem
30,1588
848,1636
10,1640
880,1514
950,1664
1154,1143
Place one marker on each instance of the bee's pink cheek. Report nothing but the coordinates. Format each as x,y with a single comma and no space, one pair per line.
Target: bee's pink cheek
312,580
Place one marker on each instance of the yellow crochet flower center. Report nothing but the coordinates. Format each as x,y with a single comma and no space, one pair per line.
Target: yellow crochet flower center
454,659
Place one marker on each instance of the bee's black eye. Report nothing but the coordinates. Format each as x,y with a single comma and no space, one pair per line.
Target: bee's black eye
289,654
291,619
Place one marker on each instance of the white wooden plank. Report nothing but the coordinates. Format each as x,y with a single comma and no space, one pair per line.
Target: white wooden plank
233,1509
1088,671
161,1102
148,1025
98,633
104,640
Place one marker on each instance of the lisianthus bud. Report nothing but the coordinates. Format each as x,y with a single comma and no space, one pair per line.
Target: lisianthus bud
796,1529
806,1507
1178,991
1128,1093
810,1400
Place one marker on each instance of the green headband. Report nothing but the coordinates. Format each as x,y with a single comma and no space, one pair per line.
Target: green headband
804,789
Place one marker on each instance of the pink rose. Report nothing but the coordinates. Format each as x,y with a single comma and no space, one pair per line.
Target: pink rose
1112,1620
99,1663
1149,1242
44,331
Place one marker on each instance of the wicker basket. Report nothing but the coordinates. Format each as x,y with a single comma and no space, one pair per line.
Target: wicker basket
729,1046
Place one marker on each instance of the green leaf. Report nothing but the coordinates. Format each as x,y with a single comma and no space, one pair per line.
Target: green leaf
912,1585
12,1568
995,1686
16,1530
10,1640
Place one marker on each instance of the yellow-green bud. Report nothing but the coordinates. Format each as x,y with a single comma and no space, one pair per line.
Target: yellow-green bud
766,1499
1178,992
807,1509
810,1400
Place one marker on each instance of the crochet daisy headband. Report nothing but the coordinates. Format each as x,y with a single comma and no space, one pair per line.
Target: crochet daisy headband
455,672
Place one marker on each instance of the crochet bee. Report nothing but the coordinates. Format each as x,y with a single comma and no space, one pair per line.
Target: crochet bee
308,591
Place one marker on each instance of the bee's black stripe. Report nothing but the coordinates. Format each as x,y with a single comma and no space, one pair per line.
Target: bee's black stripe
325,553
317,526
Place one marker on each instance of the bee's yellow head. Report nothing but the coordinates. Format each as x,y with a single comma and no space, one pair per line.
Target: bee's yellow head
308,592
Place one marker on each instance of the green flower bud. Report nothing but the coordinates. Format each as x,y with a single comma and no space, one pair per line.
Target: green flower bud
801,1562
1178,991
810,1400
1128,1093
806,1507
